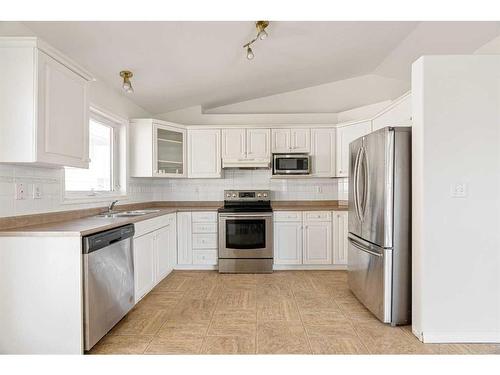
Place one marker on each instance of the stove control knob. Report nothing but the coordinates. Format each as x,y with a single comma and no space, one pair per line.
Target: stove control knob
259,195
265,195
234,195
228,195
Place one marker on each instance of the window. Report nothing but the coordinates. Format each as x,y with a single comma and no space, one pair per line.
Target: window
102,178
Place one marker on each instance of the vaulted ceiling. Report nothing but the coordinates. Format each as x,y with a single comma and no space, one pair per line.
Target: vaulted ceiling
182,64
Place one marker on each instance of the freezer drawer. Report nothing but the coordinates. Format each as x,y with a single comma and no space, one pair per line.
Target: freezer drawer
370,276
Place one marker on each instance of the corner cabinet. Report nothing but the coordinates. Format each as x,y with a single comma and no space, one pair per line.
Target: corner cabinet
157,149
345,135
44,107
197,245
398,114
204,153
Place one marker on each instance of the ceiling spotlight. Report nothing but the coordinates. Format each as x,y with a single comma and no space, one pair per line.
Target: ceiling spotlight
261,29
250,54
127,85
261,34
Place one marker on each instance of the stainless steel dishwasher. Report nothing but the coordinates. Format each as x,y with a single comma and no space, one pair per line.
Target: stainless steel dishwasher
108,281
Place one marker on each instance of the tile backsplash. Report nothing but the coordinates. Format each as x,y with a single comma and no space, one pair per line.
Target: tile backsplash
50,181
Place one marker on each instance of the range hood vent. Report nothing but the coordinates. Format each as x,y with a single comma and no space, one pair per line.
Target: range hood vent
246,163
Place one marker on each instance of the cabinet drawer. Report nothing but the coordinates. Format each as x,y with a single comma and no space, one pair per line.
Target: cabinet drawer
205,241
205,257
204,227
317,216
204,217
287,216
146,226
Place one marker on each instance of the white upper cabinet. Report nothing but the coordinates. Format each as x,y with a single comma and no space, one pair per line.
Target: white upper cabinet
291,140
204,153
44,107
323,152
280,141
398,114
345,135
246,147
233,144
157,149
300,140
258,144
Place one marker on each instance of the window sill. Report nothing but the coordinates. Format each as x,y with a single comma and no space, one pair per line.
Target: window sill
81,199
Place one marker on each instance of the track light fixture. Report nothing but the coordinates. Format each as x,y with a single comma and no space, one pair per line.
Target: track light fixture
127,85
261,34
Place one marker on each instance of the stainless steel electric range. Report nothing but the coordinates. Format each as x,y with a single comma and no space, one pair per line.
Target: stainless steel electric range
246,232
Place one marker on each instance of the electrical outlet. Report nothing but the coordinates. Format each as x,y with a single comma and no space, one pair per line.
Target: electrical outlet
459,190
37,191
20,191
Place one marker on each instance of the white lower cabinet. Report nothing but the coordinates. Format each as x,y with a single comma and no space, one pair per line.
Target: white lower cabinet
197,239
317,242
288,242
310,238
340,231
154,253
144,264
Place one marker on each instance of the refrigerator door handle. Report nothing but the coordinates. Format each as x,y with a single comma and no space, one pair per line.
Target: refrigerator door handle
356,182
362,247
364,201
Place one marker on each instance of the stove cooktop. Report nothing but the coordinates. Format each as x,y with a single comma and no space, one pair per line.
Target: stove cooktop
246,201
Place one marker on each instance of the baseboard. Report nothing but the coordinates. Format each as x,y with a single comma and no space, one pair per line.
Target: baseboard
276,267
477,337
310,267
198,267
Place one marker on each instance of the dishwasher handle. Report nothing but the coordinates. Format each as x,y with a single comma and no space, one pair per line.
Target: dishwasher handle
100,240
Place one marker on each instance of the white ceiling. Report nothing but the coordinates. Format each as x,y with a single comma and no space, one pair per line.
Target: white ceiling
182,64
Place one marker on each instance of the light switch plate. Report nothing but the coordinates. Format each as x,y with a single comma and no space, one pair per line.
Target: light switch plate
37,191
20,191
459,190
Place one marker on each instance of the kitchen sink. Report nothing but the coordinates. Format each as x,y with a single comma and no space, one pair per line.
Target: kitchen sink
126,213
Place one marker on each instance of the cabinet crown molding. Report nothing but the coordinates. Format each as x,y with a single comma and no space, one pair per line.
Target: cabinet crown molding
35,42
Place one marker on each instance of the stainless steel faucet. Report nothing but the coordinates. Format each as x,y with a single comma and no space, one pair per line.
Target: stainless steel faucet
112,205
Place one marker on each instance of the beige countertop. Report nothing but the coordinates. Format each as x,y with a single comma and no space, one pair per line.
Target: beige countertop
85,222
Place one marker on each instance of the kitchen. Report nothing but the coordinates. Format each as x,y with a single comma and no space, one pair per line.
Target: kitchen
305,216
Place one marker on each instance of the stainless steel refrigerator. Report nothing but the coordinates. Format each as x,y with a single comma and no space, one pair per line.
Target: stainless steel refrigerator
379,255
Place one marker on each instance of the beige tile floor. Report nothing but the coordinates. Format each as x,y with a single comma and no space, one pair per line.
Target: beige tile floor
288,312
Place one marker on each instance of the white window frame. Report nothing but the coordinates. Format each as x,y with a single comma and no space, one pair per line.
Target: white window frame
118,167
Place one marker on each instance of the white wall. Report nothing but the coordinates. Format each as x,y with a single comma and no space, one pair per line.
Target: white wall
330,97
51,180
456,241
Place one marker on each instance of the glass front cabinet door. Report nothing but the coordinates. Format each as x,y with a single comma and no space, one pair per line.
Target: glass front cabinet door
169,159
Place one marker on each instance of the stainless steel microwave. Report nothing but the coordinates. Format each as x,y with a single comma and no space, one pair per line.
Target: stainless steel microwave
291,164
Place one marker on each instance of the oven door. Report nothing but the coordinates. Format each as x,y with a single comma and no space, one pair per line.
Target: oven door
245,235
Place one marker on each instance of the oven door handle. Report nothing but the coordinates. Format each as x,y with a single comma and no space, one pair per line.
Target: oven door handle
231,216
